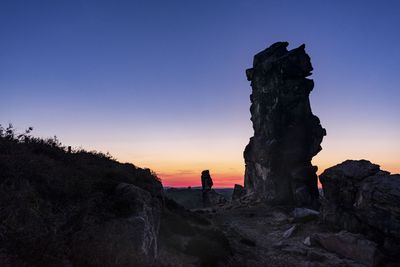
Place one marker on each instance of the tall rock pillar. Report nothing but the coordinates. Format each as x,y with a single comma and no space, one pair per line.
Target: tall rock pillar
286,133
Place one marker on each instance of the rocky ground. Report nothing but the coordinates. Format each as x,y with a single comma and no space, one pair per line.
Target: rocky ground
357,224
261,235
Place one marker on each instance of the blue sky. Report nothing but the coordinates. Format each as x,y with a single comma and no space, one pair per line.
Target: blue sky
161,83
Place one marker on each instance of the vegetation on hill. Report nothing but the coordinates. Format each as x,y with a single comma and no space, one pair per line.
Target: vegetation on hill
48,196
62,207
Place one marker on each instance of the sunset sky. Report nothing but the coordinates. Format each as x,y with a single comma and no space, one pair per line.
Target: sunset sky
161,84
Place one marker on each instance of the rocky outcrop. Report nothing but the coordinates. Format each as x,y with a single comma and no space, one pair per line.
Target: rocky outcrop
145,216
126,239
206,180
361,198
135,229
238,192
352,246
286,133
210,197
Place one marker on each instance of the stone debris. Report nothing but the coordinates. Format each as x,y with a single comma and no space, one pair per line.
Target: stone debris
288,233
304,215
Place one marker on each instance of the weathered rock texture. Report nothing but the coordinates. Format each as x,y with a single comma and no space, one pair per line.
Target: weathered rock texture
115,239
286,133
210,197
359,197
352,246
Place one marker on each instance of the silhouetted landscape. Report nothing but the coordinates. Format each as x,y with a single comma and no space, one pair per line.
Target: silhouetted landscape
62,206
199,133
83,208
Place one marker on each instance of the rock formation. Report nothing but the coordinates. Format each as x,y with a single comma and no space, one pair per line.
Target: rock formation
206,180
210,197
136,230
286,133
238,192
352,246
361,198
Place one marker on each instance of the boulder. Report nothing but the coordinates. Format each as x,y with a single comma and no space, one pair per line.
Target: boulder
304,215
377,203
359,197
352,246
212,198
209,195
289,232
238,192
307,241
136,229
286,133
145,213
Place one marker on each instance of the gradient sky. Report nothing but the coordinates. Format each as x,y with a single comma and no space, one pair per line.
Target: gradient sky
161,84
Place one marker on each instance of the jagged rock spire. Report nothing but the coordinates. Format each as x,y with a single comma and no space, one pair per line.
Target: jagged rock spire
286,133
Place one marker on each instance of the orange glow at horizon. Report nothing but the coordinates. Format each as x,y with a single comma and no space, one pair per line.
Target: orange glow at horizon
219,180
222,180
179,157
227,178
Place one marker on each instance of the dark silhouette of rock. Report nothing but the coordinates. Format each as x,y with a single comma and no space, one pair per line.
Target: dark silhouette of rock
357,193
210,197
352,246
286,133
206,180
238,192
114,240
361,198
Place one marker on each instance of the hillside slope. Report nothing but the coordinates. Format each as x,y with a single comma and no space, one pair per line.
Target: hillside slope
79,208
